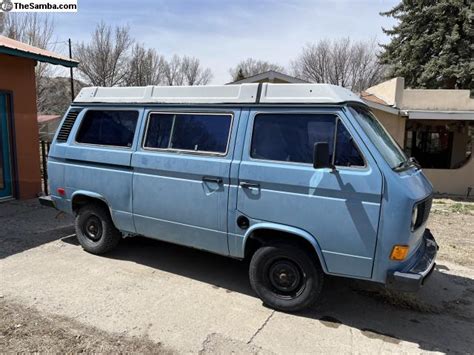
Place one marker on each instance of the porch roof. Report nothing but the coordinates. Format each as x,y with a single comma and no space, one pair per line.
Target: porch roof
19,49
438,115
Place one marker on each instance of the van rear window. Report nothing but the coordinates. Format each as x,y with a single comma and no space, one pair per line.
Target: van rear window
111,128
188,132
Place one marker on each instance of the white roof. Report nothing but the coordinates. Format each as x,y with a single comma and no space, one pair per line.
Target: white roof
243,93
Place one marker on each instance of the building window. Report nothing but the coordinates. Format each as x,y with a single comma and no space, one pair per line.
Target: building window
110,128
189,132
291,138
439,145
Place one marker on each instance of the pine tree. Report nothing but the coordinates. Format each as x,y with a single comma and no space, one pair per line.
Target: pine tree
240,75
432,46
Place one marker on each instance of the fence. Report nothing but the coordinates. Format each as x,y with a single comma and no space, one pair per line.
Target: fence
44,151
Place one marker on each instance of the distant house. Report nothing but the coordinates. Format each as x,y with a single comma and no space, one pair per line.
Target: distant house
270,76
19,150
434,126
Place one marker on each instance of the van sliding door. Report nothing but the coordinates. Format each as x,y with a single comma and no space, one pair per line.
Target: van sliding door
181,176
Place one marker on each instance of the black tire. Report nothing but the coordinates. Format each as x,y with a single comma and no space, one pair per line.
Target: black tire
95,230
285,277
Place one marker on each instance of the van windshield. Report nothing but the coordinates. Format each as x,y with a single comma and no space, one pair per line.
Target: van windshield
382,140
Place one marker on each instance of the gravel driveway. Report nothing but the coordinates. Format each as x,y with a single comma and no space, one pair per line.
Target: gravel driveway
149,296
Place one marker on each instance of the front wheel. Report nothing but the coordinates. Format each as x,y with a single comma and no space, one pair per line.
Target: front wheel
95,229
285,277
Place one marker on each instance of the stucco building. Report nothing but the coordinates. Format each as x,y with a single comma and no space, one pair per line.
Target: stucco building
19,148
434,126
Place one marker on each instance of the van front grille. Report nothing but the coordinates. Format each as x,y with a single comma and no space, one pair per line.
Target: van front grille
424,208
66,128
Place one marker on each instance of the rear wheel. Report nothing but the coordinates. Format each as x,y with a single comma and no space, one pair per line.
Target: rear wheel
95,230
285,277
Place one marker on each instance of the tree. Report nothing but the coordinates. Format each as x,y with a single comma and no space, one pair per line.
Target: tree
2,21
341,62
240,75
432,44
104,60
173,73
146,67
186,71
194,73
36,30
250,67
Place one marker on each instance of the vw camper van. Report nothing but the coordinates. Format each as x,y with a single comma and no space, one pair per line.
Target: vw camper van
299,179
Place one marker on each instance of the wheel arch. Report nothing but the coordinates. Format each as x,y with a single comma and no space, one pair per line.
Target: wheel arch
262,232
81,197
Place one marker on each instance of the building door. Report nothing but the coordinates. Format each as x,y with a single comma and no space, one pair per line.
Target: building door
6,189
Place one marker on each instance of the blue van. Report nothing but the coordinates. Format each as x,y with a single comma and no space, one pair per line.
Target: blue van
299,179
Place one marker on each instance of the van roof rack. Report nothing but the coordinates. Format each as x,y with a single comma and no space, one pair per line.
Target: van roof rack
266,93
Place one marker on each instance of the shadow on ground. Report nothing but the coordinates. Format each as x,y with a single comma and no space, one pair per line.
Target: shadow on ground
438,318
27,224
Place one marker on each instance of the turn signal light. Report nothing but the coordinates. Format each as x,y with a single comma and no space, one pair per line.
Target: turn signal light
61,191
399,252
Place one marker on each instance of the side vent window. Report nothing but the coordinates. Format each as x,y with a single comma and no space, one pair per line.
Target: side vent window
65,130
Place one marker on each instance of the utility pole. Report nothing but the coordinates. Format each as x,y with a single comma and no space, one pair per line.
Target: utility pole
70,70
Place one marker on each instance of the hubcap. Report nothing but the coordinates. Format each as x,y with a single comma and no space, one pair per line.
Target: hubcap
93,228
285,277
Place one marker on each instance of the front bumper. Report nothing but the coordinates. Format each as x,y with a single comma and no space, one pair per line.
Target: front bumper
415,276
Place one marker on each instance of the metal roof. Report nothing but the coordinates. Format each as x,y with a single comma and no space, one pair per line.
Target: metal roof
270,75
244,93
19,49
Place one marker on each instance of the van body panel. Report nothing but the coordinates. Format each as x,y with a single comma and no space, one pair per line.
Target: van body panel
340,208
237,243
174,197
102,171
402,192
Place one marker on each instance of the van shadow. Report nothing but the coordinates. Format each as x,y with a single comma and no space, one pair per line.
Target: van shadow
438,318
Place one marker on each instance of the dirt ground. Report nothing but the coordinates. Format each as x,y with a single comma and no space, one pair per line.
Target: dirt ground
24,330
452,222
153,297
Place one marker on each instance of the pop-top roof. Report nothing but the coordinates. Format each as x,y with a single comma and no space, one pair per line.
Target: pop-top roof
244,93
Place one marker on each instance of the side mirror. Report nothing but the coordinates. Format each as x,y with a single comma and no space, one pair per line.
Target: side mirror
321,155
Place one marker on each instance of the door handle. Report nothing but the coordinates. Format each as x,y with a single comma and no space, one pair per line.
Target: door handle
249,185
215,180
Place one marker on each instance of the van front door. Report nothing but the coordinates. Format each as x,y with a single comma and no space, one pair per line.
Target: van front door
339,208
181,177
5,157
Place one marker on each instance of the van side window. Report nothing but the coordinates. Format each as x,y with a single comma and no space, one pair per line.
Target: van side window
113,128
291,137
192,132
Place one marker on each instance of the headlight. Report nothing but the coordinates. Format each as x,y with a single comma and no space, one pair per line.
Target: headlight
414,217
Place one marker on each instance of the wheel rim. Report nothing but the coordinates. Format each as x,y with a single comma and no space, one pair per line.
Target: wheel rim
92,228
286,278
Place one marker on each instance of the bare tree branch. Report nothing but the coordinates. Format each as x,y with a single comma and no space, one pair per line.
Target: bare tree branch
186,71
146,67
193,72
36,30
350,64
104,61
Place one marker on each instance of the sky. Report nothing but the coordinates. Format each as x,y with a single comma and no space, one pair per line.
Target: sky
222,33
